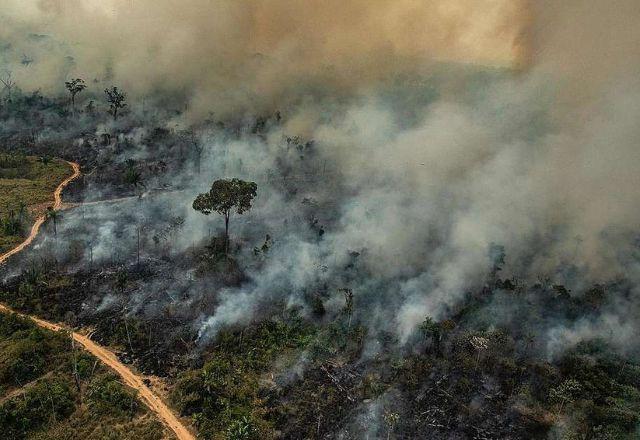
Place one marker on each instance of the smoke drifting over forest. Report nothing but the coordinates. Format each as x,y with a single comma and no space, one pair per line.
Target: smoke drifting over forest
228,55
421,163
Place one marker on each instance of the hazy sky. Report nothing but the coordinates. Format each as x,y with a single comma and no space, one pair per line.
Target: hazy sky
233,51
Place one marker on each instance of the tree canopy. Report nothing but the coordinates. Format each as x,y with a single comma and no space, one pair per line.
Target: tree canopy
225,196
74,87
116,100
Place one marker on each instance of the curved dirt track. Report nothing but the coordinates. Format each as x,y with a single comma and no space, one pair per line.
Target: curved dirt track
57,204
153,402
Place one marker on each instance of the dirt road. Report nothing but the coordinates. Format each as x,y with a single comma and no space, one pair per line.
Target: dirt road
57,204
152,401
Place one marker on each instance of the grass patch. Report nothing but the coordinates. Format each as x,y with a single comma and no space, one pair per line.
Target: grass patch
224,397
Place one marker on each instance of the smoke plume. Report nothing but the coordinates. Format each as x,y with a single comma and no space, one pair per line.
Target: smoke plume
439,128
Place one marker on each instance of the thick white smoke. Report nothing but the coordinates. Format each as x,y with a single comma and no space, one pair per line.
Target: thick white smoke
542,161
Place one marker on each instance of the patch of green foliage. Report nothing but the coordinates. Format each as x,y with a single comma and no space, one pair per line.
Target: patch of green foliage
41,399
600,395
223,397
47,401
106,395
26,351
589,393
38,289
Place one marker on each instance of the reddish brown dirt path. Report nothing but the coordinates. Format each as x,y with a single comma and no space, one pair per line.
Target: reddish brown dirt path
133,380
57,204
152,401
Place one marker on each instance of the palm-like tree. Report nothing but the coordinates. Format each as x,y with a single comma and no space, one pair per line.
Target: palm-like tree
53,215
133,176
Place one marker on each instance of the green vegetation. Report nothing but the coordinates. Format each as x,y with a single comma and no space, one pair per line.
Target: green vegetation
246,388
25,182
41,397
223,398
291,377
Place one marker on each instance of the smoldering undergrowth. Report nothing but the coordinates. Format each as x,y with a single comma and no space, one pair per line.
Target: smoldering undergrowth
402,212
489,198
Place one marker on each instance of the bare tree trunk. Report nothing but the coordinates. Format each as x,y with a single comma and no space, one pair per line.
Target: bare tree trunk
138,246
95,364
126,326
53,405
75,366
318,426
226,233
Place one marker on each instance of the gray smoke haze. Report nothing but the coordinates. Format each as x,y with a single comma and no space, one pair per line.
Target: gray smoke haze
228,56
418,165
544,162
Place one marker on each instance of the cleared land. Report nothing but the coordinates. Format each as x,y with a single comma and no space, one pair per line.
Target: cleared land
13,417
26,188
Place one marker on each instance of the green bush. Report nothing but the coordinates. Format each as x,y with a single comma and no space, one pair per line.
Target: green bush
49,400
28,354
106,395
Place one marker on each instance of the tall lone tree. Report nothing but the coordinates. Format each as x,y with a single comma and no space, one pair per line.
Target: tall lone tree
225,196
116,100
74,87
